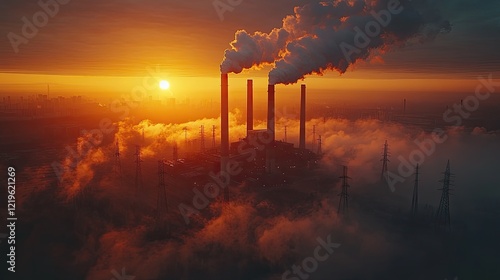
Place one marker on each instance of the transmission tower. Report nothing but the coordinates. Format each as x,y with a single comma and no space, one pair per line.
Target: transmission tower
385,160
202,138
213,136
138,171
118,165
176,152
344,196
161,203
185,136
286,132
414,201
314,137
443,213
319,145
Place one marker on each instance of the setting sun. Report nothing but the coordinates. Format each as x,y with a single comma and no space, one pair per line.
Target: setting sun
164,85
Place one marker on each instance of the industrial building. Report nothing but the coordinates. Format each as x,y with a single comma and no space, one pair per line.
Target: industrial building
256,160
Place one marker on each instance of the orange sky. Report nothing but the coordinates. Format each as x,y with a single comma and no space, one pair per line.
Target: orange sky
200,87
114,42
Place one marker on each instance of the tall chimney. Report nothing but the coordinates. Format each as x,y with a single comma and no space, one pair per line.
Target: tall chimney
271,126
270,112
302,140
224,124
249,105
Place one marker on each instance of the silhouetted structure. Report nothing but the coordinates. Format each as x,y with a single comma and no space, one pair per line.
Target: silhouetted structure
314,138
185,135
344,196
213,136
138,169
443,213
224,134
414,201
385,160
202,138
286,133
118,164
319,146
161,202
302,136
249,106
176,152
271,130
272,163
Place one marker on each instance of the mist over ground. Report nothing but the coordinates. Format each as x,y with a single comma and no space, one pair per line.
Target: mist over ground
95,222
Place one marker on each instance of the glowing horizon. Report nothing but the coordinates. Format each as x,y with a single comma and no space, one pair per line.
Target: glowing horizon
185,87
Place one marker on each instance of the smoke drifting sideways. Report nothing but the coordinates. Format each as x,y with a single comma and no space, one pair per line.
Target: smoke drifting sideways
333,35
254,50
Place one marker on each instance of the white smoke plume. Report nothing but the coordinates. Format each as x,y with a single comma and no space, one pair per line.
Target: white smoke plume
332,35
257,49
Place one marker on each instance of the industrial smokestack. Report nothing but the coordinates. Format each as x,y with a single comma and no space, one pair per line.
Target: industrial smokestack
302,140
271,128
249,105
224,124
224,119
270,112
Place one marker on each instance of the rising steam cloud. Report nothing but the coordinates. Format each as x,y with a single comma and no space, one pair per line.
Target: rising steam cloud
332,35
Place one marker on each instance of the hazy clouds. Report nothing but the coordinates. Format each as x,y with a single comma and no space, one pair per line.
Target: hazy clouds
118,37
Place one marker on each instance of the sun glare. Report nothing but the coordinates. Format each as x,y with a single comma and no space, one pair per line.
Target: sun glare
164,85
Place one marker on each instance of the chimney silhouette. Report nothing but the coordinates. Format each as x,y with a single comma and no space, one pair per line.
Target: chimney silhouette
224,119
249,105
271,123
271,128
302,140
